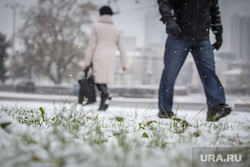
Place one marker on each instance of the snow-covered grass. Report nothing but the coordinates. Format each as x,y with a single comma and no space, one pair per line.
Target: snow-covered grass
68,135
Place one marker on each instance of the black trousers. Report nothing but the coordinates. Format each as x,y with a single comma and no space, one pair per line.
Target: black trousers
104,93
103,89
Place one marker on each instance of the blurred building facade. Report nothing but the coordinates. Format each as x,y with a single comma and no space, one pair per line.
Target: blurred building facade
146,64
240,26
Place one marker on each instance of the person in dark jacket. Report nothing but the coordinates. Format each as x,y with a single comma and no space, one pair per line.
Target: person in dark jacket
188,23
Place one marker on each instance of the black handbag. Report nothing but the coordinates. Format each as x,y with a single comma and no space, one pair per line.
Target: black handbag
87,94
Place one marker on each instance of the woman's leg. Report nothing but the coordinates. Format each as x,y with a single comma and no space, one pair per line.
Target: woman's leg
104,94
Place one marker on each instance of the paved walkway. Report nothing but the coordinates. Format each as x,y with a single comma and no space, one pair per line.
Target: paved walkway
189,102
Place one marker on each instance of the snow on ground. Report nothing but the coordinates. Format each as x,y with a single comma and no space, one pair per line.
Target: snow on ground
35,134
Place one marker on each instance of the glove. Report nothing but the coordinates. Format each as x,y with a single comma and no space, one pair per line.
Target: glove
172,28
218,42
217,30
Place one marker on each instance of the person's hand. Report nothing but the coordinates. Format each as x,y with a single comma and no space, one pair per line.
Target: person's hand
217,31
218,42
124,69
172,28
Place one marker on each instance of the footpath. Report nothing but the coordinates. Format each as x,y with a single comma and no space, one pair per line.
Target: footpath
184,102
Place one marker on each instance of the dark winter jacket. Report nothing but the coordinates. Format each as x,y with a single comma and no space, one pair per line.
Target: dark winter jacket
194,17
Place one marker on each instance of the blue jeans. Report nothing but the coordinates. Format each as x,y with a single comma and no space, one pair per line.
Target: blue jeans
176,51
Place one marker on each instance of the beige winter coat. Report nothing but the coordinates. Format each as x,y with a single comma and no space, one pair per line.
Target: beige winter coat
104,40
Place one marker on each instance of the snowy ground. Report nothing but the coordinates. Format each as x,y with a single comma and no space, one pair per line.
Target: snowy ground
66,134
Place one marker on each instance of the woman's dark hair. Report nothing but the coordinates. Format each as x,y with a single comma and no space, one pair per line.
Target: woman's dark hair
105,10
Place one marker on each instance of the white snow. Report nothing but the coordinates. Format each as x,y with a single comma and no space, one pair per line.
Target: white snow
70,135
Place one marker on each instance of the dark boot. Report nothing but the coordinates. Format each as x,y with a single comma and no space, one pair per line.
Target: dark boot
167,115
102,102
106,103
218,112
105,97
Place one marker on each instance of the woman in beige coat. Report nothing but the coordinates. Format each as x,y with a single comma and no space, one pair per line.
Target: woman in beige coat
104,40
